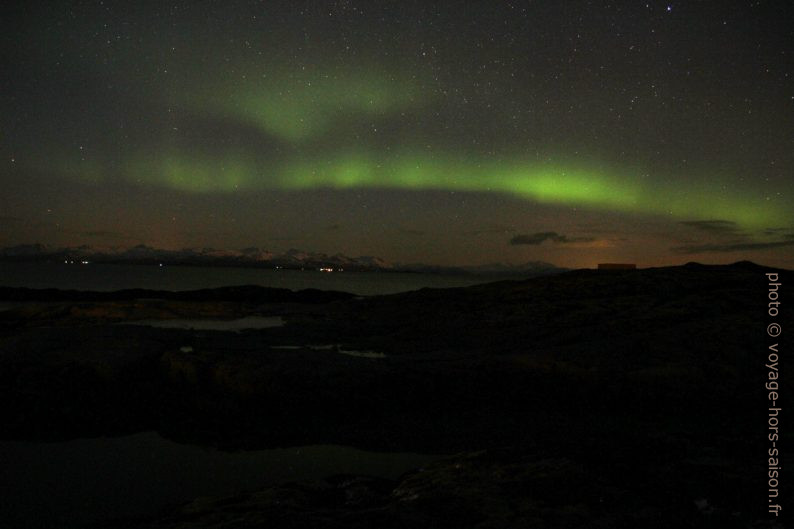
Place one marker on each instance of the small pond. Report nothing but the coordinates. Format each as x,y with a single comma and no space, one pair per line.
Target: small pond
78,482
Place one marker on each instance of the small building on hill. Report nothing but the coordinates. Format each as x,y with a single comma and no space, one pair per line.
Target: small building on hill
617,266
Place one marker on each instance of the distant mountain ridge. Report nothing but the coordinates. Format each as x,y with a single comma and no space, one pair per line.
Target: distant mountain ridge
292,259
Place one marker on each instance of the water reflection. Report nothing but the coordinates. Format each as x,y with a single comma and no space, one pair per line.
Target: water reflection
74,483
250,322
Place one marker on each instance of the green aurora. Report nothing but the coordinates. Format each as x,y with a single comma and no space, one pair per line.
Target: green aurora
535,125
302,110
596,186
301,105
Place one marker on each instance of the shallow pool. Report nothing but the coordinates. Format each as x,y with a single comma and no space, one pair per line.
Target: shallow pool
74,483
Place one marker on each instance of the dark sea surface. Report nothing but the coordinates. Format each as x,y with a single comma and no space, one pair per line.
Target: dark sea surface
107,277
83,481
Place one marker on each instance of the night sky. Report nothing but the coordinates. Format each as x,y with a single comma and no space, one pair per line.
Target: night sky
446,133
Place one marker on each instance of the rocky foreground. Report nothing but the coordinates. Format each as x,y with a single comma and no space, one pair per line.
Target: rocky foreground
585,399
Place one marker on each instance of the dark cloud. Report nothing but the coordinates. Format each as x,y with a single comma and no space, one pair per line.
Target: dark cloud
6,218
409,231
541,237
714,226
786,233
735,247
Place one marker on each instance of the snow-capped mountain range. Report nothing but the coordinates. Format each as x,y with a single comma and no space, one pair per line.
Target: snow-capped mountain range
249,257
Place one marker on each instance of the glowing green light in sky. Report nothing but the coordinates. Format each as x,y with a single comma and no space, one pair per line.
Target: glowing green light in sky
301,106
594,188
195,174
298,106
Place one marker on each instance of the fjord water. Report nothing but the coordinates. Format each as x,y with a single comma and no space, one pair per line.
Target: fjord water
108,277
